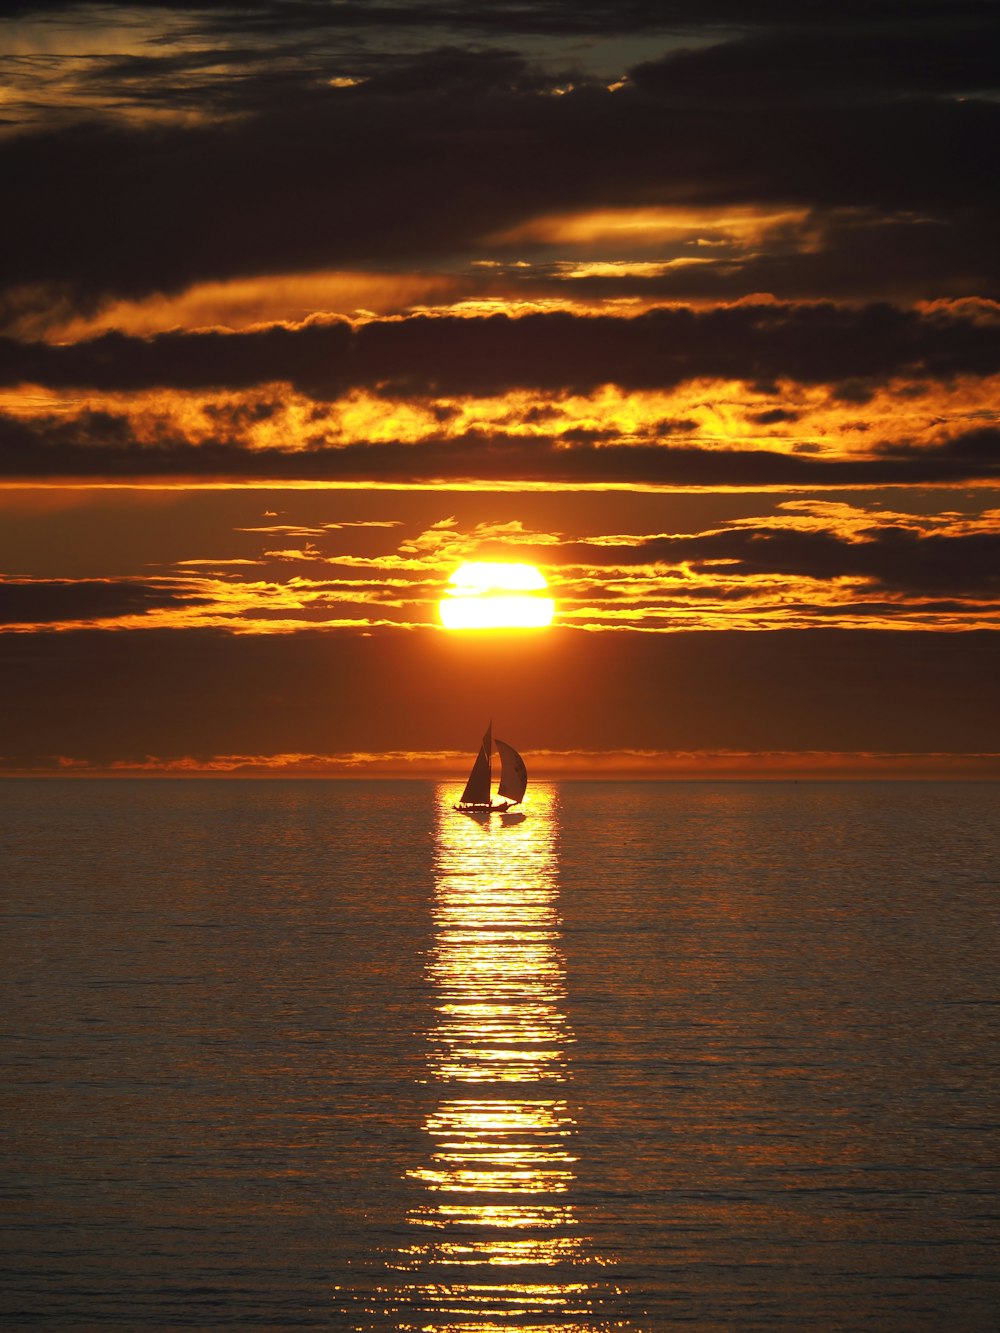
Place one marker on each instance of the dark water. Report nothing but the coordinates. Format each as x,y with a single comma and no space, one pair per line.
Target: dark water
331,1055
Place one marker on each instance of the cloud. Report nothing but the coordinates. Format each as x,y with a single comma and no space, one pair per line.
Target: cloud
98,445
273,170
889,557
37,601
547,352
183,360
838,63
844,252
805,565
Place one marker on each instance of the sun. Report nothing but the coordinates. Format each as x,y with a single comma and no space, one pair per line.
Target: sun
496,596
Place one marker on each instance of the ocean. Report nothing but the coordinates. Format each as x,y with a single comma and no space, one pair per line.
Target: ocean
306,1054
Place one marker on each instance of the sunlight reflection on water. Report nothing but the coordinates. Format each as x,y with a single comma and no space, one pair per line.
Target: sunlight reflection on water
498,1243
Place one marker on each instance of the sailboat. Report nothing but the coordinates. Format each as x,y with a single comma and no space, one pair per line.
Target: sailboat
477,799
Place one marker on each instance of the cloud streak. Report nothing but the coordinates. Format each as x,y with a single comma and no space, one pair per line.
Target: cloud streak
420,355
100,445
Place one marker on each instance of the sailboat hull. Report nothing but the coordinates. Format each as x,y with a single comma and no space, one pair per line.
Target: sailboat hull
473,808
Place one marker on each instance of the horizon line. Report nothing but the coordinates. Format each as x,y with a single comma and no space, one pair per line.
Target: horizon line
618,765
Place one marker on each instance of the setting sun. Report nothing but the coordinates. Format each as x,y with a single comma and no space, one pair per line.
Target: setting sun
496,596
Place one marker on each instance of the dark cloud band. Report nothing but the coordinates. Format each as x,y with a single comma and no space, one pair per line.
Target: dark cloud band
808,343
423,159
890,558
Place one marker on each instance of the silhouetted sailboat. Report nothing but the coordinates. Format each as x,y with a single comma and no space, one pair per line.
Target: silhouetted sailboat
477,797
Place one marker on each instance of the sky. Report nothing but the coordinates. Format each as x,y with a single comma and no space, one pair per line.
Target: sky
694,306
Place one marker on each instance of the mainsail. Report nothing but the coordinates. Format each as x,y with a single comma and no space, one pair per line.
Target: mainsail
513,774
477,789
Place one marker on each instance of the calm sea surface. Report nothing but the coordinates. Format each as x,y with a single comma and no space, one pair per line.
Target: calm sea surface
331,1055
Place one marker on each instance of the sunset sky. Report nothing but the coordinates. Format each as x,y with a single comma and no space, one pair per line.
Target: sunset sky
692,305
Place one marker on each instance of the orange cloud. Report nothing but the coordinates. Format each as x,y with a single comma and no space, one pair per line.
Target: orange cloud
791,419
244,303
645,228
